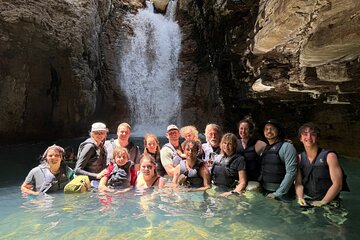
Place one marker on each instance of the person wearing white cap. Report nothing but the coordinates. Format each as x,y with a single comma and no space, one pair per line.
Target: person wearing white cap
169,155
51,175
91,158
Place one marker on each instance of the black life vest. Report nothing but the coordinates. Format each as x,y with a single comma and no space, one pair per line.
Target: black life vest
316,175
120,177
272,167
192,175
252,159
221,172
160,170
97,160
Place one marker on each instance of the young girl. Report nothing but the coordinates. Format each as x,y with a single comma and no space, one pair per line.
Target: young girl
152,148
193,170
148,176
120,173
190,133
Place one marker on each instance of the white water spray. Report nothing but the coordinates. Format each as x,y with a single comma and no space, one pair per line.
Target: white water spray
149,70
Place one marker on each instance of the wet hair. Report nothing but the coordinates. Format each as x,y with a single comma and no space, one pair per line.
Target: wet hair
56,148
124,125
248,119
312,126
120,150
230,137
151,135
195,144
150,158
60,150
211,126
190,129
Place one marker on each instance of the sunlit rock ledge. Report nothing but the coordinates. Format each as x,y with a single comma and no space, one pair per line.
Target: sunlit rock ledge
293,60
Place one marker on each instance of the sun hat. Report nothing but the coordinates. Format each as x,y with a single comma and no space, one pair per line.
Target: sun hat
277,124
171,127
99,126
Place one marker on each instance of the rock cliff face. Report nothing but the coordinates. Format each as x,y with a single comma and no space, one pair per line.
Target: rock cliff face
296,61
293,60
49,66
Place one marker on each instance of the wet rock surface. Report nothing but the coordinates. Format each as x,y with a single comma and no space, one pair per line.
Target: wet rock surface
297,61
293,60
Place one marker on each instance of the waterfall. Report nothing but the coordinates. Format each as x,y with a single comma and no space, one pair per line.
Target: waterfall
149,64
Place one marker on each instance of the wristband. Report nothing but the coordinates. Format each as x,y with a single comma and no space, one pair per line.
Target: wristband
235,192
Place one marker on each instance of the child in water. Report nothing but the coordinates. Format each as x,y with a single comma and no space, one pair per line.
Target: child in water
148,176
120,172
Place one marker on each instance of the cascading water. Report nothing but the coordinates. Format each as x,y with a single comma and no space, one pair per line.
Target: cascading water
149,66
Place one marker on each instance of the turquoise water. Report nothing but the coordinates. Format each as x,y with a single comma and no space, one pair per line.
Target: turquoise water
164,214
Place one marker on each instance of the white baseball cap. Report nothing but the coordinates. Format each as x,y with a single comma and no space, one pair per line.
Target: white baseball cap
99,126
171,127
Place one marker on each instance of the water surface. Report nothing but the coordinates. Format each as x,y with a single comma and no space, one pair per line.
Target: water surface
163,214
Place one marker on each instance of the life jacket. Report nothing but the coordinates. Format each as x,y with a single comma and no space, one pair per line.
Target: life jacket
132,149
121,176
97,161
160,170
51,182
176,159
192,175
316,175
252,159
222,174
272,167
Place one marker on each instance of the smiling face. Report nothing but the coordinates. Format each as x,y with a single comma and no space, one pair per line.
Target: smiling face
53,158
191,150
173,135
98,136
213,137
123,133
188,136
308,137
121,158
244,130
227,147
151,144
271,132
228,144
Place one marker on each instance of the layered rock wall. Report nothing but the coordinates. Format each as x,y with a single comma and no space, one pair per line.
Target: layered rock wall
49,66
293,60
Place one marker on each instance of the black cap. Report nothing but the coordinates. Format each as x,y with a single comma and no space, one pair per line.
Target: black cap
277,124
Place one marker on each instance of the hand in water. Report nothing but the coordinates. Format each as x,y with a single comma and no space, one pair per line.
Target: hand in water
318,203
271,195
302,202
226,194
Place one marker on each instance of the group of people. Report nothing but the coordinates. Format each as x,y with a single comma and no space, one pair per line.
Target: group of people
231,164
